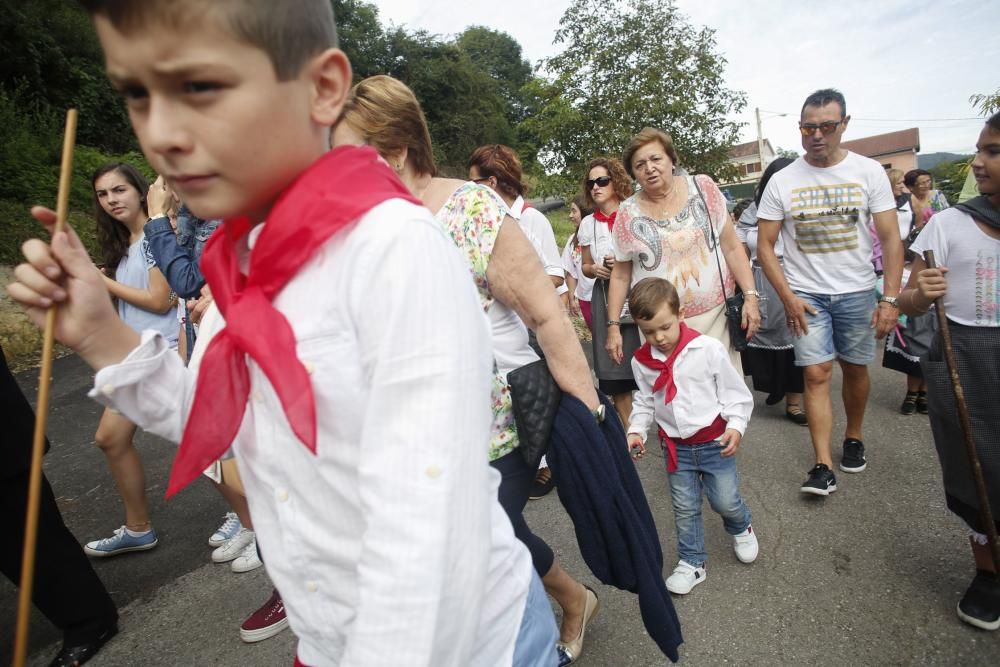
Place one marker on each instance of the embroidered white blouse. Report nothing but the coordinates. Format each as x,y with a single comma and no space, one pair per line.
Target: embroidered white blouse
389,546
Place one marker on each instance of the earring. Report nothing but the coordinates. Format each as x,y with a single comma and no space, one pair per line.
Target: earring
399,168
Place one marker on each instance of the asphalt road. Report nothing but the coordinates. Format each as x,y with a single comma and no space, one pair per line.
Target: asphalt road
868,576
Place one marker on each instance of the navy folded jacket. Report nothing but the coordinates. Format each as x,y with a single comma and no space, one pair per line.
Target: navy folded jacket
600,489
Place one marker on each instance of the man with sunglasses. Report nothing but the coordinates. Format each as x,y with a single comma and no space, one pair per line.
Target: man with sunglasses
821,204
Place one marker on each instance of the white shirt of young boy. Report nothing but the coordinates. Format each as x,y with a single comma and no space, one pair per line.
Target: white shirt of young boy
707,385
388,545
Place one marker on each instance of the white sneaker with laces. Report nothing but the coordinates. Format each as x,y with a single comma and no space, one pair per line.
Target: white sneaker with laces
745,545
248,560
685,577
229,527
234,546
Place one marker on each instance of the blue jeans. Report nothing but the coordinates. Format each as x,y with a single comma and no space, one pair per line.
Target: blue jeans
536,640
841,328
702,466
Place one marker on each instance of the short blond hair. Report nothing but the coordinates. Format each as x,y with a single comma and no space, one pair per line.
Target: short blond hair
895,175
387,115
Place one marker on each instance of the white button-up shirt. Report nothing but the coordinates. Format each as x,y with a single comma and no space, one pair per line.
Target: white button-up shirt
707,386
388,545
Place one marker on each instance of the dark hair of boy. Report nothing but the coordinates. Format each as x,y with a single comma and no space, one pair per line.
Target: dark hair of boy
650,295
288,32
113,236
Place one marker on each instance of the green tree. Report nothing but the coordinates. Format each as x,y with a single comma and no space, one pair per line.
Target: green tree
633,63
463,105
361,37
784,152
949,177
987,103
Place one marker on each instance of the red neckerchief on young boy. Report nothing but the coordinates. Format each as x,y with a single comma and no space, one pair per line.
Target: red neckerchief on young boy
665,381
330,195
609,220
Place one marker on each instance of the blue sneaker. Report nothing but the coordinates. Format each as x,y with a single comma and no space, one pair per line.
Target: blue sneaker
121,543
226,531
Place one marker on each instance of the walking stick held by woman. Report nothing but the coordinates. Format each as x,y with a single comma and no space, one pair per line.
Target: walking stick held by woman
985,513
41,410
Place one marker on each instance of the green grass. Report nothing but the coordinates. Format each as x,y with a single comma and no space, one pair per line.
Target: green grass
561,225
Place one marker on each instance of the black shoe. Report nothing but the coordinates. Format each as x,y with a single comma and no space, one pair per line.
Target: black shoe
821,482
909,405
980,606
922,402
71,656
795,415
774,399
542,485
853,459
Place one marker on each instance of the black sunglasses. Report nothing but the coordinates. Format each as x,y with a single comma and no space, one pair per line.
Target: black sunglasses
599,182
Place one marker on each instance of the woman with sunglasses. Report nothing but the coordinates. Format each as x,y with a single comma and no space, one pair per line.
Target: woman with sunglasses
384,113
606,185
678,228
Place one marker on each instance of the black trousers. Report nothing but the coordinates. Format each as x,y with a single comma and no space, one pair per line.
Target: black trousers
515,487
66,588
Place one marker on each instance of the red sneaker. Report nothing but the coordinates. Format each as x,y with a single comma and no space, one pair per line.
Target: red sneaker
266,622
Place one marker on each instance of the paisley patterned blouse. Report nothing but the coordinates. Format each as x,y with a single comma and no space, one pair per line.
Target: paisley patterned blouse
472,216
681,249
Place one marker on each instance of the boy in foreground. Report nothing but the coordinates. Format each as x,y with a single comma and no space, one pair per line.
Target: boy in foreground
701,405
359,423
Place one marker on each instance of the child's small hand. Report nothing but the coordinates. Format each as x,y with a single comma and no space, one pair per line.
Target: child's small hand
636,446
730,440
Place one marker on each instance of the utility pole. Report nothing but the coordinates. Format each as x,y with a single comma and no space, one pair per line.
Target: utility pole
760,141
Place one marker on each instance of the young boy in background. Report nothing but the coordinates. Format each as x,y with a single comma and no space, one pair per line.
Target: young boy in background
701,406
353,414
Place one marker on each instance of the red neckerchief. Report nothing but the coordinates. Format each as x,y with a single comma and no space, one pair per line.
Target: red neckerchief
665,380
330,195
609,220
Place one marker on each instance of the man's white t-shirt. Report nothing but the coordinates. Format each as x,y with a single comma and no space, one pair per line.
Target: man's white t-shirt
972,257
826,212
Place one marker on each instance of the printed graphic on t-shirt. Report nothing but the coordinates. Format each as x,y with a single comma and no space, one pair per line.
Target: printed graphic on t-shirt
987,288
826,217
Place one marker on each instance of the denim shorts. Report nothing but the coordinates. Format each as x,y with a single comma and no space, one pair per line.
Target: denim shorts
840,329
536,641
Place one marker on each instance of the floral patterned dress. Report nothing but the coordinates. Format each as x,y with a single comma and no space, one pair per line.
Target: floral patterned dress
472,216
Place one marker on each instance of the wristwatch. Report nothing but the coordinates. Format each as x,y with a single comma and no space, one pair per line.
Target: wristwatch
891,300
751,292
614,323
599,413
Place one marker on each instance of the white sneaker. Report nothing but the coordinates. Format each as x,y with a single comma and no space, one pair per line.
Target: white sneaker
234,546
229,527
248,560
685,577
745,545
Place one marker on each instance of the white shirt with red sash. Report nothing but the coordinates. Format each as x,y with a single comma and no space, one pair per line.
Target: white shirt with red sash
708,386
388,545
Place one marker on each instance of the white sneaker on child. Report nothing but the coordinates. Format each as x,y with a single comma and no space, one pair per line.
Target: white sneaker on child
745,545
685,577
234,546
248,560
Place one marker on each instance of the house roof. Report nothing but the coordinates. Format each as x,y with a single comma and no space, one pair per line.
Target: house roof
886,144
746,150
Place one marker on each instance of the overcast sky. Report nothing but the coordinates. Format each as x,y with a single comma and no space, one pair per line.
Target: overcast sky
894,60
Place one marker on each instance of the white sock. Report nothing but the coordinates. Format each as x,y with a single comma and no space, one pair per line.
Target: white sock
141,533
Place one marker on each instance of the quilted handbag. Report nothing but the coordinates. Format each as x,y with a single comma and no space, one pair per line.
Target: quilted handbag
535,397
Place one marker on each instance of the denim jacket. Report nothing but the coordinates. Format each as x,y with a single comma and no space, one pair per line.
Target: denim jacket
177,255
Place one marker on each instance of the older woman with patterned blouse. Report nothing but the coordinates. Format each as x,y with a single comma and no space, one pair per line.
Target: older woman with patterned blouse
677,227
514,292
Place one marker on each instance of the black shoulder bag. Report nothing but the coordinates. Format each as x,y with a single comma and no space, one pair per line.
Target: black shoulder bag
734,303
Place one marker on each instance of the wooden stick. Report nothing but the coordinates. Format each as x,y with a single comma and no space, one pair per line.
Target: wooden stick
985,513
41,414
